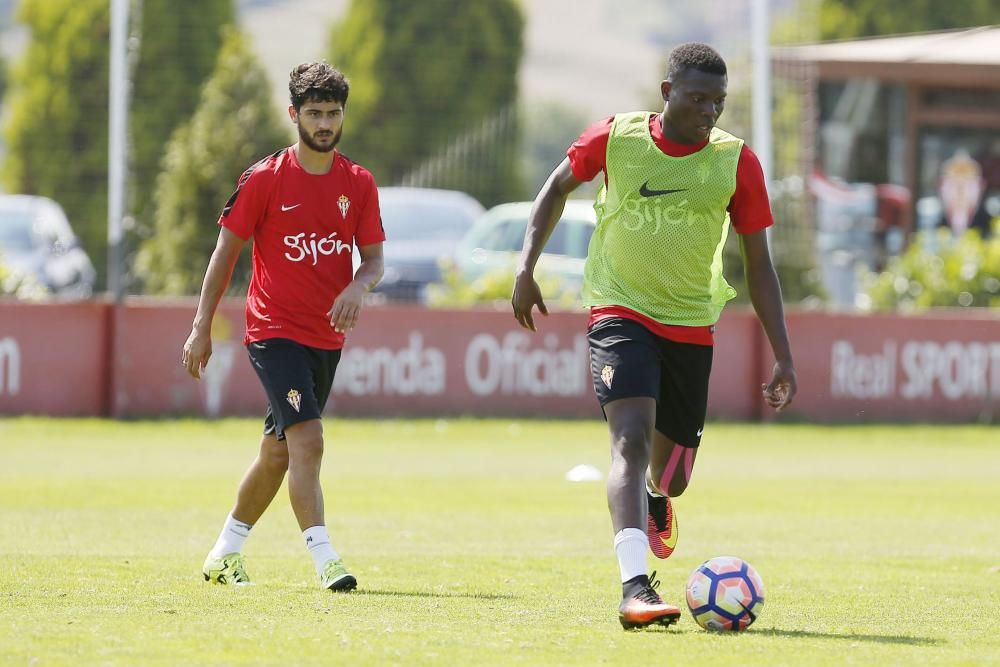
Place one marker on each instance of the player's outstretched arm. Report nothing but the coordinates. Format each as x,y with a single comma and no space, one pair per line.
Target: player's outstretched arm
765,294
545,213
346,308
198,348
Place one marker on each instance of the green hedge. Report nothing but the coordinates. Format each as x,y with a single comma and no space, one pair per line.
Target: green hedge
939,270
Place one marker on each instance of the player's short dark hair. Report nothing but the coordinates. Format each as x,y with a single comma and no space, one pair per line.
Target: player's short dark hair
694,55
317,82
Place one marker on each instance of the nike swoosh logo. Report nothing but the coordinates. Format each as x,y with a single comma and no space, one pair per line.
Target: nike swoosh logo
646,192
289,208
700,431
671,541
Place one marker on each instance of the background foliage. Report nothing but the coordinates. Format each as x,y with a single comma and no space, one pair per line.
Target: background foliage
56,126
178,46
235,125
435,84
496,287
843,19
429,76
937,270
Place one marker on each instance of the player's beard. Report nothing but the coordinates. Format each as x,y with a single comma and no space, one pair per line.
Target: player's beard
312,144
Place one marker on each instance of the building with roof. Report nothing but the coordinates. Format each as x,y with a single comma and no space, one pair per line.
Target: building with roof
896,110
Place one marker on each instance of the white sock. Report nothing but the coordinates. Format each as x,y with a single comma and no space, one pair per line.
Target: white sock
234,534
318,543
630,546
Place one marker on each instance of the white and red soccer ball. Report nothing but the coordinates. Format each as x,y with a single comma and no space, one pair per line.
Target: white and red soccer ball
725,593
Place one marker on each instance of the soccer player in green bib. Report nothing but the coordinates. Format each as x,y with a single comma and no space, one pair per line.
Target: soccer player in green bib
673,185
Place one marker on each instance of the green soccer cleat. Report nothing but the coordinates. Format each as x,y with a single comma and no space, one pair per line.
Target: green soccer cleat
337,578
226,570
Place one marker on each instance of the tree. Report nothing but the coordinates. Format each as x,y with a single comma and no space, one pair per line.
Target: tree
549,128
430,80
844,19
56,129
3,76
178,47
57,126
234,125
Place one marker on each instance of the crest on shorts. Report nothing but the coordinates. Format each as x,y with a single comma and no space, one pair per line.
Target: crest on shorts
294,398
607,373
343,203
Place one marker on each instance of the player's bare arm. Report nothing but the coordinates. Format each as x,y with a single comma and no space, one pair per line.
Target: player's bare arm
765,294
545,213
347,306
198,347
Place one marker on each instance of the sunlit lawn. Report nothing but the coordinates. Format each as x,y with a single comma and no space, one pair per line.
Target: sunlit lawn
878,546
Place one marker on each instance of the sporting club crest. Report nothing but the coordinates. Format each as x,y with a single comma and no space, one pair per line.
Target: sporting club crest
343,203
294,399
607,373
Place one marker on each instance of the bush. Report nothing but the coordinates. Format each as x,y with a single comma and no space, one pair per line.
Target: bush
939,270
495,287
21,285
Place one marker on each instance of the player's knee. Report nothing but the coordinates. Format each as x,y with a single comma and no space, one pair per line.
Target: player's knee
273,453
275,458
305,442
673,487
676,487
631,443
308,449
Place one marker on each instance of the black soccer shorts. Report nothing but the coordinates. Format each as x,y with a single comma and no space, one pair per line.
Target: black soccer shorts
627,360
296,378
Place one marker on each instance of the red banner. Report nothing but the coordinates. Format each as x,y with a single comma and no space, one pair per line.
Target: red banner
56,359
401,360
940,367
53,358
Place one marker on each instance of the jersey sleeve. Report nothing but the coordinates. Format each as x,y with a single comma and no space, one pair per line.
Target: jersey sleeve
749,208
370,223
246,206
588,154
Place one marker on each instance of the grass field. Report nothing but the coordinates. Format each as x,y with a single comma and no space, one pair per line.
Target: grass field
878,546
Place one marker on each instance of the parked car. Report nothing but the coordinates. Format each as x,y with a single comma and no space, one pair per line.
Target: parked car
495,241
422,226
37,242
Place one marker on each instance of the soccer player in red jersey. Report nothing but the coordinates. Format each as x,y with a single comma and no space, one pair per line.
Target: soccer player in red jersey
674,183
305,207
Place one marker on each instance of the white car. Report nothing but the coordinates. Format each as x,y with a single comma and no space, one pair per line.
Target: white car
422,227
495,241
37,242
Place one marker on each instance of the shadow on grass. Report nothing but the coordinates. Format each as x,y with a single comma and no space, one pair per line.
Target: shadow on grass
877,639
670,629
431,594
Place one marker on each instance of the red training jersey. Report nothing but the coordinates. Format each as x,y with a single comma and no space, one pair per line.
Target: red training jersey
304,228
749,208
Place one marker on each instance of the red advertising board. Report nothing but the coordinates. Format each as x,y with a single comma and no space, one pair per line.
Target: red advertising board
146,363
53,358
941,367
401,360
98,359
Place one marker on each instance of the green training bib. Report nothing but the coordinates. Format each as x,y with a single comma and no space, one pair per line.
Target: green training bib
661,226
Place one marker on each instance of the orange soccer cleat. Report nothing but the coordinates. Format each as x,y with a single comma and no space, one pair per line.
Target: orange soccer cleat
661,526
645,607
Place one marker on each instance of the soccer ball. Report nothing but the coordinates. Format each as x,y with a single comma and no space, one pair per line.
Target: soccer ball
725,593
